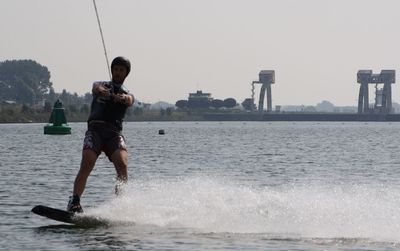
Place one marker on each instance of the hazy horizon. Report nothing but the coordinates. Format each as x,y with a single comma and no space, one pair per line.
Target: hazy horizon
176,47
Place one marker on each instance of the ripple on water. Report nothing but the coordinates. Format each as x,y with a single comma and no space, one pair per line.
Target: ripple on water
239,186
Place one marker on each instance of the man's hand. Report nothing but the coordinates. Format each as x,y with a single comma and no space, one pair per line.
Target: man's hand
101,90
123,99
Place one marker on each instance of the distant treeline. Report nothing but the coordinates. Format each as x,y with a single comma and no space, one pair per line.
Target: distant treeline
27,82
27,94
206,103
17,113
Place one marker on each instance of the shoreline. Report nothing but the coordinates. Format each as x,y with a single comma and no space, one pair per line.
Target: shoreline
266,117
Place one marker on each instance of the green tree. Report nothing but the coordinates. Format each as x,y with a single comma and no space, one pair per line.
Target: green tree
248,104
5,91
52,96
47,106
72,108
181,104
217,103
199,103
23,92
85,108
24,81
87,98
65,97
25,109
162,112
230,103
169,111
138,111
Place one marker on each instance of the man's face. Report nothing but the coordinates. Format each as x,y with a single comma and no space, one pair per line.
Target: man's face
119,73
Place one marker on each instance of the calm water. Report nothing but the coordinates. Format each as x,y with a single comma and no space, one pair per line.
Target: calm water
210,186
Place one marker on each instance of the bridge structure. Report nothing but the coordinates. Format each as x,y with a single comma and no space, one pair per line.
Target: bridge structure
383,96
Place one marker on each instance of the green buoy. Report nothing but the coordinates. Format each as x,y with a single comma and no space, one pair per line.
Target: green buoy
57,122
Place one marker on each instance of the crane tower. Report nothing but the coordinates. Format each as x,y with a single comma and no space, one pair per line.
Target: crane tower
383,99
266,78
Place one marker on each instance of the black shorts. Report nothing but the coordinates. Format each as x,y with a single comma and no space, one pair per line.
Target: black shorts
103,138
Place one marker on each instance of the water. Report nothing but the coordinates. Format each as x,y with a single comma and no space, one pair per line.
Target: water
210,186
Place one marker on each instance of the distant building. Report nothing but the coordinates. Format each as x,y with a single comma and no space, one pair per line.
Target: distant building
199,100
199,95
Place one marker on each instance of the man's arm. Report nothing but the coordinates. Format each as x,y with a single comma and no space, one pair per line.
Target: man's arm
126,99
100,89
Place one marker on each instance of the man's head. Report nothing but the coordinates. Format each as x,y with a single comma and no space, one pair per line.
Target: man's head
120,68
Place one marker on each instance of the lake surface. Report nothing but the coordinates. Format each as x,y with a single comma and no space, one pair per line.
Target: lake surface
210,186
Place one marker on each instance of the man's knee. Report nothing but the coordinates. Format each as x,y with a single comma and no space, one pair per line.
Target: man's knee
89,158
120,160
120,157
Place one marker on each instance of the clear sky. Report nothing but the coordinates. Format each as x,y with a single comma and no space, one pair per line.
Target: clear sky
315,47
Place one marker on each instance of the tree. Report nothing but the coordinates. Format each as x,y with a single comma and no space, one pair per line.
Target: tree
181,104
230,103
65,97
169,111
85,108
217,103
47,106
25,109
5,91
24,81
137,111
23,92
87,98
162,112
200,103
248,104
325,106
52,96
72,108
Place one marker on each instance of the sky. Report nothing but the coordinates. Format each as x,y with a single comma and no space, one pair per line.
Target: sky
176,47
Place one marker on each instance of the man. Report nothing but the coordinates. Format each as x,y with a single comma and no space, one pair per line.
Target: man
108,108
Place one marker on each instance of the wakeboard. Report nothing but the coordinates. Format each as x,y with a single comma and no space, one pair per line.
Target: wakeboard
69,217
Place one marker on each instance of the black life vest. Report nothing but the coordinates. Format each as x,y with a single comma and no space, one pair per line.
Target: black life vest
105,109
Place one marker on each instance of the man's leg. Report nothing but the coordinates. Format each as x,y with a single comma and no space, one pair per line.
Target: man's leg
120,161
89,158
